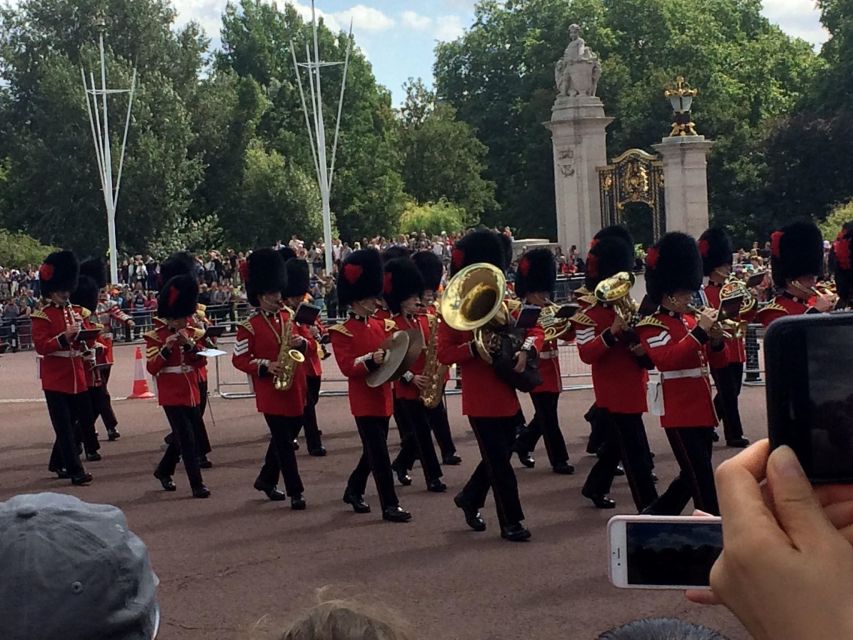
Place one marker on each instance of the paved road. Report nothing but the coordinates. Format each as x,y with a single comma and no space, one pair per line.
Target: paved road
237,566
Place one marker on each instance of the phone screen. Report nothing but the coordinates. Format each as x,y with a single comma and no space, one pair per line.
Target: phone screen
672,553
830,398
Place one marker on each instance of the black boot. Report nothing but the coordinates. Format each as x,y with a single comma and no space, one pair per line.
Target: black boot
356,502
472,514
271,490
165,481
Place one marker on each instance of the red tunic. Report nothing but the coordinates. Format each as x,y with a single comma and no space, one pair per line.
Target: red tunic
108,311
678,349
175,371
61,367
403,389
92,379
618,379
783,305
313,366
354,342
258,343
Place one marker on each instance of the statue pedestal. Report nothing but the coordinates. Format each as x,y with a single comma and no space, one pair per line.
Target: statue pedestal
685,174
577,128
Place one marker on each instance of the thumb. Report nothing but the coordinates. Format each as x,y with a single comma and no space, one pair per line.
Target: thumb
796,506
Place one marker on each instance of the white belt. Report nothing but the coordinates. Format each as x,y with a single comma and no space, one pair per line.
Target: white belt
547,355
65,354
184,368
699,372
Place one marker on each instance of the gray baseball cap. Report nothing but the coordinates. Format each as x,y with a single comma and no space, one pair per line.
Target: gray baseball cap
72,570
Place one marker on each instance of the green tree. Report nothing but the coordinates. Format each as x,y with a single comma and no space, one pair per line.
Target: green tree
442,158
840,215
433,218
20,250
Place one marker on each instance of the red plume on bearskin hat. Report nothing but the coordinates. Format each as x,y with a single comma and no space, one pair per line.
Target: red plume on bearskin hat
715,247
298,278
608,256
800,253
58,272
481,245
402,281
267,274
86,293
430,267
360,277
677,266
178,298
95,269
537,272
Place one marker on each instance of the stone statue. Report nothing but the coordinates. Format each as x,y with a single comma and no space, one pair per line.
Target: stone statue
578,71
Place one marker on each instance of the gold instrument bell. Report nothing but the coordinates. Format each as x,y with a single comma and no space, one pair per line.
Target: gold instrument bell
553,322
616,291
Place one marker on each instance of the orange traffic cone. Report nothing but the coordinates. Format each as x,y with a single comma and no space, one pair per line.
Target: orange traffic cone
140,389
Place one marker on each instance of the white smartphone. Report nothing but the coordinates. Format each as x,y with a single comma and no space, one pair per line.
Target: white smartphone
663,552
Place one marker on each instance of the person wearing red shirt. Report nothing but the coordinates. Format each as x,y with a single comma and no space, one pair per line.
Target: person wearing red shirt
796,262
171,351
607,342
357,347
432,271
63,378
260,340
298,285
403,287
490,403
535,280
841,261
715,247
682,346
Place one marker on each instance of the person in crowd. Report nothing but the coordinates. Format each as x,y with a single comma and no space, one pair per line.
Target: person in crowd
661,629
73,570
339,619
842,266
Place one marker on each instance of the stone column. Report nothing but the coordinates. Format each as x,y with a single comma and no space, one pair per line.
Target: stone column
685,175
577,128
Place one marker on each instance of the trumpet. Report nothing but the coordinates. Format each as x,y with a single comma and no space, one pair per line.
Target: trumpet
616,291
720,324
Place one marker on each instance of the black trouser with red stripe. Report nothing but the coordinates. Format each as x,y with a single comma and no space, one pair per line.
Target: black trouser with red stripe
626,441
495,437
692,447
182,444
373,431
728,381
545,423
309,420
281,458
419,443
63,409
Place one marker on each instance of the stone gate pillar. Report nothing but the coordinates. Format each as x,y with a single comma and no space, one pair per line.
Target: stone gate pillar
685,175
577,128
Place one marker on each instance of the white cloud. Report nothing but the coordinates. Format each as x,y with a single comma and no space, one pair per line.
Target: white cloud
365,18
415,21
448,28
798,18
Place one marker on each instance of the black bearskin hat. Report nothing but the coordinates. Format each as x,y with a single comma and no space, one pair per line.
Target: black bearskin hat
607,256
617,231
177,264
298,278
58,272
86,293
506,245
537,271
392,253
95,269
401,280
715,247
841,260
266,272
430,267
673,264
478,246
360,277
796,250
286,253
178,297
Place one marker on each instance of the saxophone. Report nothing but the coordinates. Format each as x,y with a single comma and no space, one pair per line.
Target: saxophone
431,394
288,358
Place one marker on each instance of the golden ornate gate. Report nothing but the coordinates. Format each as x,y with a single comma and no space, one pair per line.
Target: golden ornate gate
634,176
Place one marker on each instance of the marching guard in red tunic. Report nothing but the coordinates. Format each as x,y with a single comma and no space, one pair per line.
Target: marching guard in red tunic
432,271
842,266
172,358
490,403
682,346
262,350
606,341
534,283
403,287
106,314
63,378
356,345
796,260
716,249
298,285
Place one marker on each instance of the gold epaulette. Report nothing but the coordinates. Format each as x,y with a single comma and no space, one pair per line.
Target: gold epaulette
582,319
589,299
247,325
582,291
157,321
651,321
773,307
340,328
198,333
41,315
390,325
153,335
84,312
513,304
